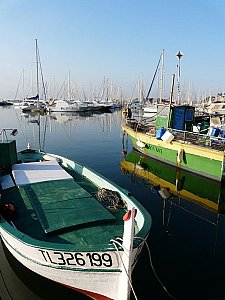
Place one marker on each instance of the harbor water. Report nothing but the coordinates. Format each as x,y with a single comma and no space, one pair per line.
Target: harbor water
185,258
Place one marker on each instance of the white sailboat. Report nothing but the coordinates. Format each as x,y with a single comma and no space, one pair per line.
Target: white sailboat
34,103
151,104
137,103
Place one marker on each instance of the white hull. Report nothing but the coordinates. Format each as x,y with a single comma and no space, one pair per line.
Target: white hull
101,271
150,109
64,109
97,282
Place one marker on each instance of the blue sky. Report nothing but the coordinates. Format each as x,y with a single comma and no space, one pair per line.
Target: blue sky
116,39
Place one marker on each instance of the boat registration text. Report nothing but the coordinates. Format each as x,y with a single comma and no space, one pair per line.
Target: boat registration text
80,259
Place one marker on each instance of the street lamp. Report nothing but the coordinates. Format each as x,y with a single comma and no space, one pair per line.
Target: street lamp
178,55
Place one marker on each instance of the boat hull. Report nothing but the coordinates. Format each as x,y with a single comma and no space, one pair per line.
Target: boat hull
100,269
62,266
199,160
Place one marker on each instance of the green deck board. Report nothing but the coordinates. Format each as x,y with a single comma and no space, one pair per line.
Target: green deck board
95,233
62,204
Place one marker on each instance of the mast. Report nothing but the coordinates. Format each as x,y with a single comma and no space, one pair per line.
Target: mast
150,88
68,87
37,72
171,99
38,105
23,86
171,89
162,79
107,89
111,91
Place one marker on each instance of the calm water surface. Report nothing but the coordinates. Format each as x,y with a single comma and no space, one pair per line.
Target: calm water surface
187,240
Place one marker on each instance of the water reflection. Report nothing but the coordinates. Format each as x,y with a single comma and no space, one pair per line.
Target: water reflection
192,193
51,129
169,181
188,243
70,117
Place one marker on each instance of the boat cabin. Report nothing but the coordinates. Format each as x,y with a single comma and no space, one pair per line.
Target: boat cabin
179,117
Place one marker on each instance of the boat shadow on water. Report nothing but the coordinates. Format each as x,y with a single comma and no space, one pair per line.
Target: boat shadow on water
19,283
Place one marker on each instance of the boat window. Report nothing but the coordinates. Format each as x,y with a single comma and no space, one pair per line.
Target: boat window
189,115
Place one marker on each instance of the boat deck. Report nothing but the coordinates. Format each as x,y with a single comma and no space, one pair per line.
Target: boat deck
65,210
188,137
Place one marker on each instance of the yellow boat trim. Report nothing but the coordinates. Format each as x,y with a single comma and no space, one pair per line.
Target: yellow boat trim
155,180
176,146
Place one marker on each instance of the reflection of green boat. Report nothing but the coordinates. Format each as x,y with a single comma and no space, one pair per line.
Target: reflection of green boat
171,180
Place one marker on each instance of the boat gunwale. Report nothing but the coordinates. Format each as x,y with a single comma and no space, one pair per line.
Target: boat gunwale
175,143
26,239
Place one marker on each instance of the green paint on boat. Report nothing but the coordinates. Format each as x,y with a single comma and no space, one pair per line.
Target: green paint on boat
61,204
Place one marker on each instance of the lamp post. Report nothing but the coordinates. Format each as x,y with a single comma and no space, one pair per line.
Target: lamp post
178,55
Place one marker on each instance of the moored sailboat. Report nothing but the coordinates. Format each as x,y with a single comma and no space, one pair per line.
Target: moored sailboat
33,103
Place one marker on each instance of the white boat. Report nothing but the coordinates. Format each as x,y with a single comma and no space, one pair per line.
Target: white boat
32,105
106,105
68,223
67,106
216,108
117,105
213,105
136,104
150,109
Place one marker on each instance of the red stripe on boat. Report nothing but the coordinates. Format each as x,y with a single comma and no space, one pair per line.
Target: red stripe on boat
127,215
90,294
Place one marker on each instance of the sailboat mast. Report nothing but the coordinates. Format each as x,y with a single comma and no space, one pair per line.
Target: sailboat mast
37,75
171,89
162,79
23,86
154,77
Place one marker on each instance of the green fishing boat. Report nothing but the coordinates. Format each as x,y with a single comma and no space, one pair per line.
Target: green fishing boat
171,139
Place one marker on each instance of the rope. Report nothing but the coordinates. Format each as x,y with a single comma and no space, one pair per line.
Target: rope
110,199
128,277
153,269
